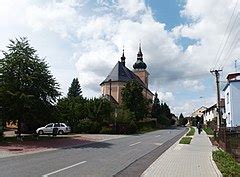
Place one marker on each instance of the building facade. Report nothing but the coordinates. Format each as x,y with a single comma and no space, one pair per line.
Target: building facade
120,75
211,113
199,112
232,100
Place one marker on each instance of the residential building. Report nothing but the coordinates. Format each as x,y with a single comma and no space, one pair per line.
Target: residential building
211,113
232,100
120,75
199,112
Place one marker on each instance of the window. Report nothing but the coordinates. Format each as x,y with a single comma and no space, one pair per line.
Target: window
62,125
56,125
227,98
49,125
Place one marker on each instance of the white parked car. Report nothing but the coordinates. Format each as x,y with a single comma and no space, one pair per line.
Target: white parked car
62,128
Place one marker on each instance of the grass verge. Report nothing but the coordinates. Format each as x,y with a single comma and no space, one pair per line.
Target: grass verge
208,130
191,132
185,140
226,164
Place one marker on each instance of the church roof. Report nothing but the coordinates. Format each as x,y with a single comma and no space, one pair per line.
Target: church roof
120,73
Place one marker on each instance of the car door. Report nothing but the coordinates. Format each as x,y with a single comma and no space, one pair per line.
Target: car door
48,128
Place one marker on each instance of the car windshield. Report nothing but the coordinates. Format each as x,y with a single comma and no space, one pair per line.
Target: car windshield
49,125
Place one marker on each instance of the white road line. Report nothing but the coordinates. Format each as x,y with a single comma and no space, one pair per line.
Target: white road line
157,136
135,143
158,144
46,175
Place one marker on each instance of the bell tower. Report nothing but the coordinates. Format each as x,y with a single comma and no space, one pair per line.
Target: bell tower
140,67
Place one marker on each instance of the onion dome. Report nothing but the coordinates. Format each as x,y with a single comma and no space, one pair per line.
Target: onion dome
139,64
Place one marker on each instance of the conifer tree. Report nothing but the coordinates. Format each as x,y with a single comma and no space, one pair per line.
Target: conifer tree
75,89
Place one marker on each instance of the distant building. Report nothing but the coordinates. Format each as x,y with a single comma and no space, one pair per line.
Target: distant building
120,75
199,112
232,100
211,113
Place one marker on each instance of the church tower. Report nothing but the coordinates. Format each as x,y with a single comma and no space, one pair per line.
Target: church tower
140,67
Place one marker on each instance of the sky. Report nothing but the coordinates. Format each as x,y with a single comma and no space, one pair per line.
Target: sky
182,40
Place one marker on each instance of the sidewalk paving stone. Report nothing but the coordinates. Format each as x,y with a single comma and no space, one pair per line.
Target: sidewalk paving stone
181,160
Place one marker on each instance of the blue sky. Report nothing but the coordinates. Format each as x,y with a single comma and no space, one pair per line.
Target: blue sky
84,39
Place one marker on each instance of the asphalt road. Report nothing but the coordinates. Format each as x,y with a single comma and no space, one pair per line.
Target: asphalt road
119,157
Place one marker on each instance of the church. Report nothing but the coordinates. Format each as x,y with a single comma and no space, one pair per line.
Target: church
111,87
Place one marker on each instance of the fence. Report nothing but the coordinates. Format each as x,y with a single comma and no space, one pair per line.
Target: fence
229,140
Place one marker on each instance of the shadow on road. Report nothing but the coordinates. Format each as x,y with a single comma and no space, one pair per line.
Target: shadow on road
92,145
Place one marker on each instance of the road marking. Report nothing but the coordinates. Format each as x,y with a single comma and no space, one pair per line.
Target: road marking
135,143
158,144
46,175
157,136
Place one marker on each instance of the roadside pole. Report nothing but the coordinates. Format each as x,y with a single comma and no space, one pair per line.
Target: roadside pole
219,120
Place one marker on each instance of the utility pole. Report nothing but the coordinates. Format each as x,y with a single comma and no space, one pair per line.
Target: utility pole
219,120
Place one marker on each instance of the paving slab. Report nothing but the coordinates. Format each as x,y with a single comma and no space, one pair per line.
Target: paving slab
181,160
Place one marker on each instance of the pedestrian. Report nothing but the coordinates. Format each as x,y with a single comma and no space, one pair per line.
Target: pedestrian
199,126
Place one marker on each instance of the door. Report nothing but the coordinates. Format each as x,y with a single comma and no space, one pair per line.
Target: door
48,128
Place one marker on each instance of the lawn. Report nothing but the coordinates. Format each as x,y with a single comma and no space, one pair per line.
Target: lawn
191,132
208,130
226,164
185,140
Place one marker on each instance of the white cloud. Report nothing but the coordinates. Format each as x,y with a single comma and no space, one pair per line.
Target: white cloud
193,85
93,43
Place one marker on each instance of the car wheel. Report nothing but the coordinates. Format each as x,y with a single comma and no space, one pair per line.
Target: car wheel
60,132
40,132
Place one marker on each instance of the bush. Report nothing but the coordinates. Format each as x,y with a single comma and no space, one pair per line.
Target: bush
106,130
226,164
95,128
88,126
148,124
163,120
132,128
208,130
1,129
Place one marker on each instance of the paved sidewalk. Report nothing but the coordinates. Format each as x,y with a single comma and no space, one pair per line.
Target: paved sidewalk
194,160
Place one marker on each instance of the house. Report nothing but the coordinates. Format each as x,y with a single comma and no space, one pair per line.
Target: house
211,113
199,112
120,75
232,100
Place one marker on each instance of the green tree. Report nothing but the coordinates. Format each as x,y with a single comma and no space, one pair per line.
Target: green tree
100,110
165,110
75,89
132,99
182,120
156,108
28,88
72,110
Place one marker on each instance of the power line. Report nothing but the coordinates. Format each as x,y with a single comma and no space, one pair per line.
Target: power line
229,22
234,23
229,52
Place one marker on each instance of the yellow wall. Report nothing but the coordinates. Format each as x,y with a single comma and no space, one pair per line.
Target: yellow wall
116,88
